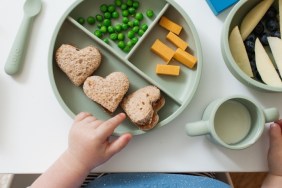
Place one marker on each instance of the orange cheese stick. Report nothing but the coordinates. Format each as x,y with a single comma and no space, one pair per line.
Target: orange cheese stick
177,41
170,25
185,58
171,70
162,50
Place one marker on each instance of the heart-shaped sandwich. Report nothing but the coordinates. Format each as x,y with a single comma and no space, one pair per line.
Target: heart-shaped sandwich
142,106
109,91
78,64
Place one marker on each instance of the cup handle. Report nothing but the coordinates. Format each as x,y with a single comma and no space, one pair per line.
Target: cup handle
197,128
271,114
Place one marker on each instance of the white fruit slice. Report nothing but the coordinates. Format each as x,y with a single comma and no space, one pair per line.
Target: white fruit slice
253,17
265,67
275,44
239,52
280,14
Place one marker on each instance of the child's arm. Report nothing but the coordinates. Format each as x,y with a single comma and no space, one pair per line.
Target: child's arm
89,146
274,177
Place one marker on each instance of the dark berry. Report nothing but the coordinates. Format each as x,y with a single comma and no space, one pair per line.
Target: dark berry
252,37
255,71
251,56
250,46
259,29
276,34
272,25
263,39
271,12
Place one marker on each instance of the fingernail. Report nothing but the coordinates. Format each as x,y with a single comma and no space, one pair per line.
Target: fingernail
273,125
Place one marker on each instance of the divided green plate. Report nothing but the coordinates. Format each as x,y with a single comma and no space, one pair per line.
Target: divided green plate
139,64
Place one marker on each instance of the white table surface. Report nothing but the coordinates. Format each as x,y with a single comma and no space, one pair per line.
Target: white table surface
34,127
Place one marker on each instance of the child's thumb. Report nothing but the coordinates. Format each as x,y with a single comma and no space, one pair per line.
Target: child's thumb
275,134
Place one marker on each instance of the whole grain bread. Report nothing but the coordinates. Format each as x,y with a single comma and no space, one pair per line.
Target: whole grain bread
109,91
78,64
142,106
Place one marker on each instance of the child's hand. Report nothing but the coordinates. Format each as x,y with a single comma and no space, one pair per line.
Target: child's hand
89,142
275,149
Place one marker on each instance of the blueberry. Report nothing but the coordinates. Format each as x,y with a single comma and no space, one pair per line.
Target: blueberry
259,29
250,46
253,64
263,39
271,12
276,34
252,37
272,25
251,56
255,71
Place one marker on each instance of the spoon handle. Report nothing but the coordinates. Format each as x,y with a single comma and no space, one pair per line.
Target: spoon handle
17,52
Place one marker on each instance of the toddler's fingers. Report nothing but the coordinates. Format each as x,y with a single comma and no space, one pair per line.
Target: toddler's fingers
81,116
108,127
119,144
279,122
275,134
89,119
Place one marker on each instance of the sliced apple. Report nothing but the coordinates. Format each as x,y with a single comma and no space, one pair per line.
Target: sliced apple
253,17
239,52
275,44
265,67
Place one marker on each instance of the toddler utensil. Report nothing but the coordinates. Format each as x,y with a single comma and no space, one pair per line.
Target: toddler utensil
15,58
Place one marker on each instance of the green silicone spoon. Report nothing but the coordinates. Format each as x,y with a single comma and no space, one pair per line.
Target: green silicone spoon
17,53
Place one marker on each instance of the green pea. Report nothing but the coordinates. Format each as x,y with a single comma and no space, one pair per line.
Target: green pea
135,4
121,44
80,20
118,28
135,29
134,40
103,8
115,14
104,29
130,34
141,32
129,3
124,26
125,20
121,36
123,6
150,13
144,27
90,20
113,36
139,16
127,49
111,29
106,40
107,22
99,18
131,10
130,24
136,22
130,43
107,15
98,33
118,3
111,8
125,13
